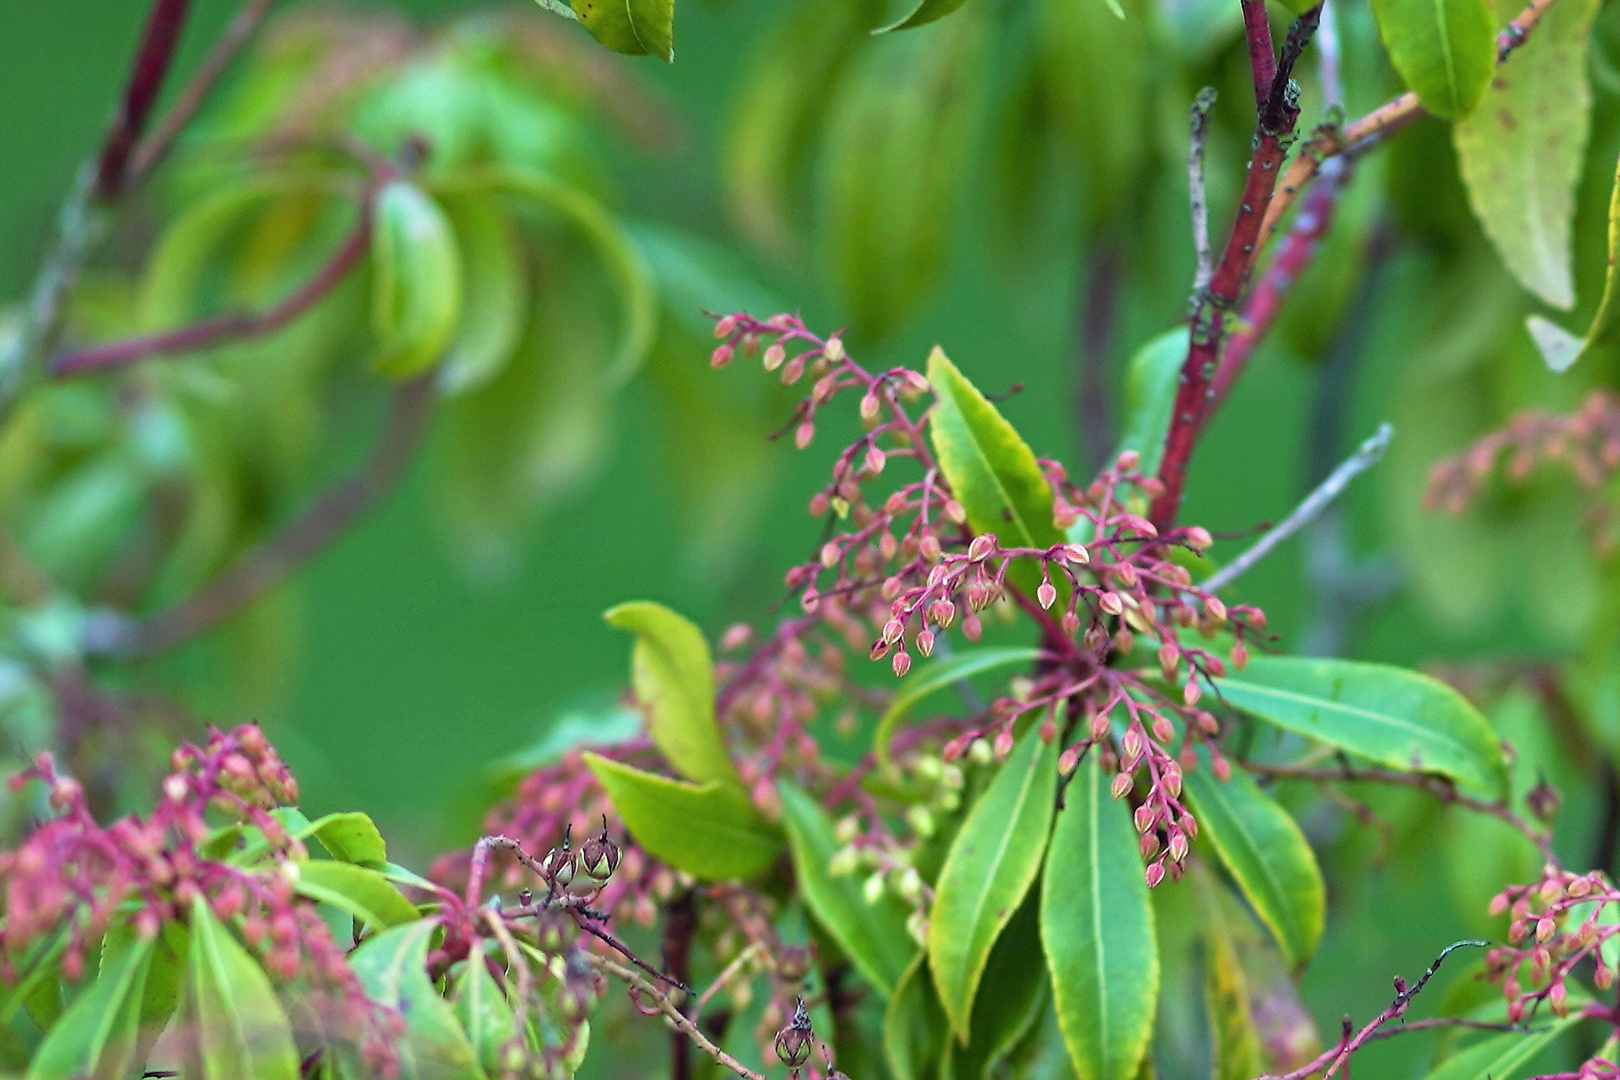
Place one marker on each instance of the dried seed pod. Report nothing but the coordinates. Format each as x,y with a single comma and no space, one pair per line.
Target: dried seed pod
793,1042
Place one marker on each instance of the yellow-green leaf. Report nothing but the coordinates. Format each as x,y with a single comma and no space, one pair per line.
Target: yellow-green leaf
392,967
673,675
1444,49
991,864
97,1035
416,280
637,27
238,1023
359,891
711,831
494,290
1097,931
1561,349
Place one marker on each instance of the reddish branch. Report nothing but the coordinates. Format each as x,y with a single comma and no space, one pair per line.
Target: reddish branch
152,60
231,326
1262,55
1194,397
267,566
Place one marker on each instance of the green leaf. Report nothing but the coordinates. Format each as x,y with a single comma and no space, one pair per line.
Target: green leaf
1444,49
165,977
914,1026
1561,349
673,675
494,290
351,837
1266,854
924,13
991,470
991,865
637,27
240,1027
416,280
485,1014
712,831
1521,151
1013,994
1500,1056
1235,1044
392,967
98,1034
873,935
1390,715
937,675
358,890
1097,931
1151,380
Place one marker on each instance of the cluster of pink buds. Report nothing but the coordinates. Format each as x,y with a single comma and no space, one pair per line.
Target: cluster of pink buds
74,874
1587,442
1557,923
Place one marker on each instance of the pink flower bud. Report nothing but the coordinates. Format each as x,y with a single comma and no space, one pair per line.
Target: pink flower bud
972,628
775,356
875,458
1004,742
925,642
1068,760
1046,594
902,663
954,511
721,356
1128,461
1121,785
981,547
1155,874
870,406
725,326
834,349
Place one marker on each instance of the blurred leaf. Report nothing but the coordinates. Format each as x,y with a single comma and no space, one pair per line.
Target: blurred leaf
924,13
1265,852
165,978
1444,49
1151,379
779,107
673,676
1390,715
240,1028
97,1035
1235,1042
416,280
1559,347
938,675
694,275
351,837
1520,152
481,1006
392,967
990,469
914,1026
713,831
595,724
898,148
873,935
991,865
356,890
1097,931
637,27
494,289
1498,1057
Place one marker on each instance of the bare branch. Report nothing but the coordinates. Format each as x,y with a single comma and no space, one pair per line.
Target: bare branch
1368,454
661,1002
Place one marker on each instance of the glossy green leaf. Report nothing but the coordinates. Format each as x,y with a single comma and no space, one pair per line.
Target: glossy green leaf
990,468
672,672
1266,853
1390,715
1445,50
416,280
937,675
1151,380
240,1027
483,1010
637,27
1561,349
357,890
924,13
990,866
392,967
494,290
351,837
874,936
914,1026
1097,931
1521,151
1013,994
1505,1056
712,831
98,1034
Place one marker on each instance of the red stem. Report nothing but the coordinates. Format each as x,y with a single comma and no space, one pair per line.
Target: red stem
1262,55
163,26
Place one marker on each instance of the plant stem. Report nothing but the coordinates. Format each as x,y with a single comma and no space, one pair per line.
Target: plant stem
1262,54
662,1003
1277,117
269,565
1197,191
163,25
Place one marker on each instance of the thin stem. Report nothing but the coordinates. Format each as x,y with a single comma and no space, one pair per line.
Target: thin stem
1368,454
232,326
1197,192
163,25
1388,118
269,565
241,30
1262,55
661,1002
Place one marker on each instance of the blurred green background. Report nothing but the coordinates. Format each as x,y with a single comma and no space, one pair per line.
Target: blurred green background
412,676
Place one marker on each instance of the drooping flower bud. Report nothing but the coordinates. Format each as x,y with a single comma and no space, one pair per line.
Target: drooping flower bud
599,856
794,1041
